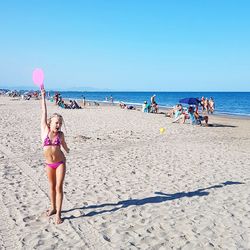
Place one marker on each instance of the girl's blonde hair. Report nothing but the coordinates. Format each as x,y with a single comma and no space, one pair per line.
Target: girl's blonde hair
53,116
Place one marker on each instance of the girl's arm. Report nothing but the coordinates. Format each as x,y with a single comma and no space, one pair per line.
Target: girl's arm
44,125
64,145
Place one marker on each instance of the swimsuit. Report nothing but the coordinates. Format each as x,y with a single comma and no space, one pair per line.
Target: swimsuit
56,142
54,165
48,142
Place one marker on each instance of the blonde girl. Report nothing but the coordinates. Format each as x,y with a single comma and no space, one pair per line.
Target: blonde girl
53,139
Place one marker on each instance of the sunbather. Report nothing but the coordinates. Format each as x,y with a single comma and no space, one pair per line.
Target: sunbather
194,117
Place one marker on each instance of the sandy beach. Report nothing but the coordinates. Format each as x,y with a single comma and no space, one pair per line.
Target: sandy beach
127,185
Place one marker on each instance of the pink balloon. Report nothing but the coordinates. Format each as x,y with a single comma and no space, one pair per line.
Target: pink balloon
38,77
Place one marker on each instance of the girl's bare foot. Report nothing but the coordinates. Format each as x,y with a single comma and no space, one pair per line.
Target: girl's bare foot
50,212
58,219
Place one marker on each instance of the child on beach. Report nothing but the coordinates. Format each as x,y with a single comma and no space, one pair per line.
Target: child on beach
53,139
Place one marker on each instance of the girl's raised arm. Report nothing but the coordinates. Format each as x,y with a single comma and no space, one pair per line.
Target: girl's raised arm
44,125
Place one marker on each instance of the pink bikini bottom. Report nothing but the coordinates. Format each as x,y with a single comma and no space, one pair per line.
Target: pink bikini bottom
55,164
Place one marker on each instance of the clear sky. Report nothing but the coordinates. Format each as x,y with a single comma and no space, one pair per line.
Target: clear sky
159,45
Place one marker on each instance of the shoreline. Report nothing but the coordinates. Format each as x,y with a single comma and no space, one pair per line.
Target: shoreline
164,108
138,106
241,110
161,108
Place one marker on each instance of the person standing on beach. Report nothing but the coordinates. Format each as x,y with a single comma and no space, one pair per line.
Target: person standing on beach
152,99
202,102
52,139
56,97
154,105
211,105
111,99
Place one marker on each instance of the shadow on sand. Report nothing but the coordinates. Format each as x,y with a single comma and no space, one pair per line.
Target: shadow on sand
217,125
160,197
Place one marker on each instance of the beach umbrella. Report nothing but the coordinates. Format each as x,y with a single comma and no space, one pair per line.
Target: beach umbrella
190,101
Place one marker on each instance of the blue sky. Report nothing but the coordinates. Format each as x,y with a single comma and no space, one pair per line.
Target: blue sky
161,45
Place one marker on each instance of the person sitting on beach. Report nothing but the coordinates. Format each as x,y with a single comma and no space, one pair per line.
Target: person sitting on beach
145,107
170,113
194,117
190,116
76,105
52,139
122,105
174,112
26,97
200,118
64,105
154,108
61,104
51,99
35,95
178,113
131,107
73,105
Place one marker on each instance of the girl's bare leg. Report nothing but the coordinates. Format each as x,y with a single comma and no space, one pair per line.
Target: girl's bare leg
60,173
51,173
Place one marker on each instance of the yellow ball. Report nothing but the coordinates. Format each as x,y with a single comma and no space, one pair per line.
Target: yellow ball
162,130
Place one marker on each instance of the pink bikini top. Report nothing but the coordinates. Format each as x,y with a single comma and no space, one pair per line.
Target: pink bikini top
48,142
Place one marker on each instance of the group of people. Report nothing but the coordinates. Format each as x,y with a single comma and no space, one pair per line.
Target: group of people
24,95
29,95
181,114
57,98
151,107
110,99
207,105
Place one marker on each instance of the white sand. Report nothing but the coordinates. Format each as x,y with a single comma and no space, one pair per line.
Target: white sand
127,186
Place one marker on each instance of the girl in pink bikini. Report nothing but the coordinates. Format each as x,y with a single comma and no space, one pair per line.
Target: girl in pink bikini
53,139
